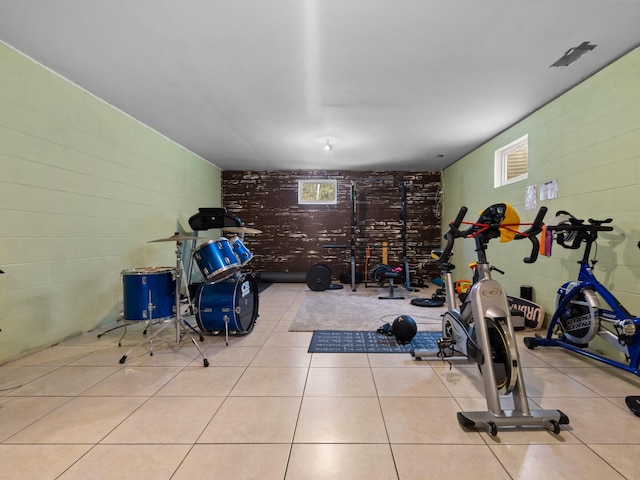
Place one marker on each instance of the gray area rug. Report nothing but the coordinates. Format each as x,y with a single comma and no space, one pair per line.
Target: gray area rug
363,311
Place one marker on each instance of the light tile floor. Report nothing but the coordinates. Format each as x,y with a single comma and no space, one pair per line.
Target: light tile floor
266,409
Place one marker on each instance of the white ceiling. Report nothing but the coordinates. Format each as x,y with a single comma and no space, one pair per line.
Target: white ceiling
261,84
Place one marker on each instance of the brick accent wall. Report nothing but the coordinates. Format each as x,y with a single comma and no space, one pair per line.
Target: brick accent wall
294,234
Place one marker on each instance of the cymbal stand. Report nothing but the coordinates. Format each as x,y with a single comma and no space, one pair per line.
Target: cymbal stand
190,270
180,275
178,322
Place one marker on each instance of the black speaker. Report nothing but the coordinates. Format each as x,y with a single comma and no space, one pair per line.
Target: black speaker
526,292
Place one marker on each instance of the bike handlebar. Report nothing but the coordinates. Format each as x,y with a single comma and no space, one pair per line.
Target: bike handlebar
578,225
608,220
452,234
532,234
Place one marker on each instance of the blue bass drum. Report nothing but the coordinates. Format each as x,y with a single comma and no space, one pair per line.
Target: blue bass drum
149,293
235,298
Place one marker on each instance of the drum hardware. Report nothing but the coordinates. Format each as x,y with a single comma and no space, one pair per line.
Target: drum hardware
180,324
194,242
226,329
124,325
226,320
149,321
177,237
115,328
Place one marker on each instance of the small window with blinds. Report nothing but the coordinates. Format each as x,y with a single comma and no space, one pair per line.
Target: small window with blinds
512,162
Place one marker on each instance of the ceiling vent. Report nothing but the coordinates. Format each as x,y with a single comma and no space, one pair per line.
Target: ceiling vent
573,54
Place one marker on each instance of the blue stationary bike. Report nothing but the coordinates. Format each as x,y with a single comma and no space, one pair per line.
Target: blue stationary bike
586,309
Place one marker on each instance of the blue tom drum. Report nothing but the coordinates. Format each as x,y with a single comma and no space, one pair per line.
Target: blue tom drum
243,254
149,293
235,298
216,260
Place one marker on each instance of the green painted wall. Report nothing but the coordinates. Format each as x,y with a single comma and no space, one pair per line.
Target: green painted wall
589,141
83,188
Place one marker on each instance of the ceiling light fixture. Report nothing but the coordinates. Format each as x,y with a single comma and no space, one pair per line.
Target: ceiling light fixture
327,146
573,54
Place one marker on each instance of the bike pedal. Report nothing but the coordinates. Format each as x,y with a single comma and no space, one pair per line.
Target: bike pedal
628,328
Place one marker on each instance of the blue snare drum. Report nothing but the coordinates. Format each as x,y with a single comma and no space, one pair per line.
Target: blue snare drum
216,260
243,254
149,293
235,298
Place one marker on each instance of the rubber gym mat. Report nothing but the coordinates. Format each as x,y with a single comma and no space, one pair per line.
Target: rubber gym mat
340,341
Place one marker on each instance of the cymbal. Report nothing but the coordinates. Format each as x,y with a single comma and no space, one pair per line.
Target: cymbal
242,230
174,238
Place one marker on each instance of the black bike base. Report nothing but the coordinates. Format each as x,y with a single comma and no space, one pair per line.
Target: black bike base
533,342
633,402
490,421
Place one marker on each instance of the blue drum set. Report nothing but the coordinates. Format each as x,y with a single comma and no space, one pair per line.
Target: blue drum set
225,302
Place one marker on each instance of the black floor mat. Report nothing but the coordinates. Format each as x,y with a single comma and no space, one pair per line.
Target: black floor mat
340,341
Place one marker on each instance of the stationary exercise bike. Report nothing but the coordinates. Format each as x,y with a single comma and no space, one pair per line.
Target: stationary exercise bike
482,331
586,309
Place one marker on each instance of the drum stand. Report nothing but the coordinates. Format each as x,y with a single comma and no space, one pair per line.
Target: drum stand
123,325
125,322
179,323
226,329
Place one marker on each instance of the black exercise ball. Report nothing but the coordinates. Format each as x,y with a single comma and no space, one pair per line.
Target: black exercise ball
404,328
